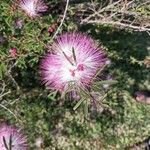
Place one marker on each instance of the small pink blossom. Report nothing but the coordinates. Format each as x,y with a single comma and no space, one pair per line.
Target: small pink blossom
33,8
18,24
52,28
13,52
10,133
75,60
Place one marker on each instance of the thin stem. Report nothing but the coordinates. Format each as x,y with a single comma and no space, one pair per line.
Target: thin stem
2,95
68,58
74,55
62,21
10,143
98,72
5,144
8,110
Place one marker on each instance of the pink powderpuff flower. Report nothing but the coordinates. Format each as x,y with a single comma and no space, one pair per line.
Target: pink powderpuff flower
33,8
73,62
12,137
13,52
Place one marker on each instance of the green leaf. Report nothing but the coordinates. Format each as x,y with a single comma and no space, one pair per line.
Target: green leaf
97,85
84,92
52,95
2,70
86,109
106,82
79,103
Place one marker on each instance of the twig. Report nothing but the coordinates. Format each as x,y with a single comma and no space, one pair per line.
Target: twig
100,11
12,66
2,95
119,24
121,13
9,74
8,110
62,21
148,32
3,88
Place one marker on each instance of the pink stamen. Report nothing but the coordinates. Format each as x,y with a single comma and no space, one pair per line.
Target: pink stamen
80,67
13,52
72,72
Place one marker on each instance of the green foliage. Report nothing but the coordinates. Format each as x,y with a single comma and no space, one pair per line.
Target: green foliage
2,70
42,113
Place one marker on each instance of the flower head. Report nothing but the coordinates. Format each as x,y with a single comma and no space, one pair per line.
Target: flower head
74,62
13,52
52,28
33,8
12,137
18,23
